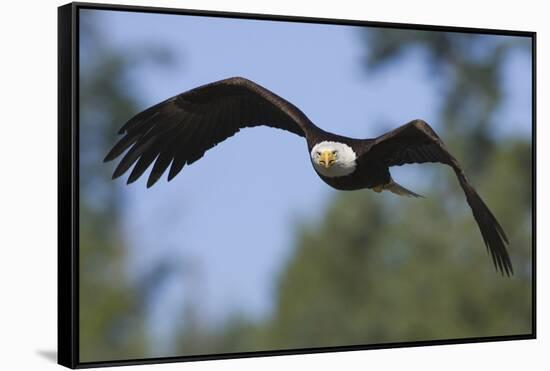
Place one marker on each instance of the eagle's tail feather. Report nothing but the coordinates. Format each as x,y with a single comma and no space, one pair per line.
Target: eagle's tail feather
400,190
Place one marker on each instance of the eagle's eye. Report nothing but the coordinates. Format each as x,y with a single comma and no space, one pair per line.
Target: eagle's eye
318,153
334,152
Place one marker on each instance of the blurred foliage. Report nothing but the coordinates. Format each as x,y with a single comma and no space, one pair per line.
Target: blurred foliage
469,70
379,268
381,271
112,318
375,268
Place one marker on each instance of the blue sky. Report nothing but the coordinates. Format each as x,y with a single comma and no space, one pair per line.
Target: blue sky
230,218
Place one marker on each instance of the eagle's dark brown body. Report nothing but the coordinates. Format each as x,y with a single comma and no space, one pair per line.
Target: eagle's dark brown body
179,130
366,175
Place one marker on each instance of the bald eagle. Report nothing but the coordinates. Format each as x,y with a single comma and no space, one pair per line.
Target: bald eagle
179,130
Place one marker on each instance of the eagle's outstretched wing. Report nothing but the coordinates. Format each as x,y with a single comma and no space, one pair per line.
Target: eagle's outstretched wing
181,129
416,142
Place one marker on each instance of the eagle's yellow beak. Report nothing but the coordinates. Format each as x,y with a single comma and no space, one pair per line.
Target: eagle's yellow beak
327,159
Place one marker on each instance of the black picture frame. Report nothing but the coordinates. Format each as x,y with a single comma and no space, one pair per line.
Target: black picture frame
68,182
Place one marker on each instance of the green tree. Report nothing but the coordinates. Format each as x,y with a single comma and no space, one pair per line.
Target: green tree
111,309
380,269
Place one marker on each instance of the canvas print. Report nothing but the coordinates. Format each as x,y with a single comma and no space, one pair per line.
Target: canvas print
252,185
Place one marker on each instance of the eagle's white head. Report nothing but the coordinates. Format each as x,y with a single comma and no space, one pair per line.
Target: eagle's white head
333,159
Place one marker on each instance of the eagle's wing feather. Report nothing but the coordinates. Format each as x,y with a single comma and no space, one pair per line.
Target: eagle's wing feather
416,142
179,130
